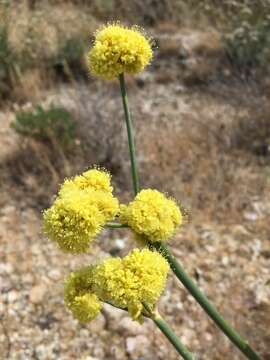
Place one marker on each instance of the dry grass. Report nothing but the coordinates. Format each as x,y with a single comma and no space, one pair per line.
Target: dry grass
46,41
203,155
212,179
30,84
252,134
52,37
46,28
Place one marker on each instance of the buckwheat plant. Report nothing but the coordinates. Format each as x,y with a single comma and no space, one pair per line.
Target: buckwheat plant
86,204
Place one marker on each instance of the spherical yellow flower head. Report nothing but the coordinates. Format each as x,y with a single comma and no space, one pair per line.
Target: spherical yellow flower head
73,220
108,278
139,277
118,49
79,299
78,283
152,214
85,307
79,212
95,178
107,204
149,271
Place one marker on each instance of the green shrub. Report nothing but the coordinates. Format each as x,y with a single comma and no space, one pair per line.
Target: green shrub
248,41
69,62
6,61
4,51
252,133
54,125
71,52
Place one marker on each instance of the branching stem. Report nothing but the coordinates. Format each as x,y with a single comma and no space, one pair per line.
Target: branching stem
198,295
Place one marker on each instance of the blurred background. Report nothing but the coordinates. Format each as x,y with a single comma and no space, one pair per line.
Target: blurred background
202,119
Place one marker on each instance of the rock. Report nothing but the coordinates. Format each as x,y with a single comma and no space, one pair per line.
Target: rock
113,316
262,294
99,352
117,352
54,274
120,243
6,268
199,53
37,294
12,296
129,327
198,43
225,260
136,345
97,325
250,216
208,337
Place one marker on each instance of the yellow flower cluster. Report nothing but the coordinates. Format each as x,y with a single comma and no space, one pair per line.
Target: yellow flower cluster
118,49
152,214
84,204
78,283
82,207
84,304
129,282
138,278
85,307
94,178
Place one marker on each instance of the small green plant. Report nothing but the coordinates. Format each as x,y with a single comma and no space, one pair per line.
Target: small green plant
69,60
6,60
248,41
72,51
252,133
4,52
53,125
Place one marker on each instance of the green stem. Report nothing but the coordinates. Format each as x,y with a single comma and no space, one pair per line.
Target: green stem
116,225
173,339
130,132
168,332
165,328
236,339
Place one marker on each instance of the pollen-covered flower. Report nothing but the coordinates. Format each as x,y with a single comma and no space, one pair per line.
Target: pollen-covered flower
107,204
129,282
94,178
78,283
118,49
72,221
83,207
85,307
152,214
79,298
